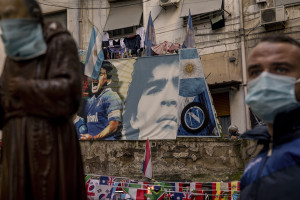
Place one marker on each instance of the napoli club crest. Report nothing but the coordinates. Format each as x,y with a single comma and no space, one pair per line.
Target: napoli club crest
194,117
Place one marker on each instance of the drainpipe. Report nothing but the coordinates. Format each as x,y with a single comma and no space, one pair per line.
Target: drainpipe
244,67
80,26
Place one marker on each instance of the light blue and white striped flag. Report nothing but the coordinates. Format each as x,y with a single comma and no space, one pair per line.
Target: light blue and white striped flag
191,79
94,57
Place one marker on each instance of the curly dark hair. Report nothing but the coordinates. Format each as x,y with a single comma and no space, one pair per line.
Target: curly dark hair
108,67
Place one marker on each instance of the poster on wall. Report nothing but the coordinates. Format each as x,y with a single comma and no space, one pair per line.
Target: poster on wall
158,97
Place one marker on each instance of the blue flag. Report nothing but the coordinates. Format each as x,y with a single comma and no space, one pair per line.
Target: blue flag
150,39
189,41
94,57
103,180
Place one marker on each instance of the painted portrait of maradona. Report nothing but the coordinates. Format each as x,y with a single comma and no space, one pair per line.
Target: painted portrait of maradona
151,104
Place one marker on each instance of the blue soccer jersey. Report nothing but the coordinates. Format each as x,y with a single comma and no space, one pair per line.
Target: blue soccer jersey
106,107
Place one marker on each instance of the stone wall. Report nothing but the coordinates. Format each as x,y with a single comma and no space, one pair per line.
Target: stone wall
184,159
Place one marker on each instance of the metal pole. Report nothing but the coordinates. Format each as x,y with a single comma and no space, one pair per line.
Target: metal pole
244,66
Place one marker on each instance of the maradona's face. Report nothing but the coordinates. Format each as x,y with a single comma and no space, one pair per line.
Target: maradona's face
98,84
158,103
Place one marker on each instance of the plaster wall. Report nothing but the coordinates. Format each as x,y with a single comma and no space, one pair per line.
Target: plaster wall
237,115
254,31
167,22
73,17
90,17
217,67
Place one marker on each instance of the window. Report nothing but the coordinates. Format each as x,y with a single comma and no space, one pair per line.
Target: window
222,107
202,18
60,17
128,30
124,17
122,32
201,10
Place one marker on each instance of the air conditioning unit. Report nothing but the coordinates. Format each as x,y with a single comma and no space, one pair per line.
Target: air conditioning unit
261,1
272,15
165,3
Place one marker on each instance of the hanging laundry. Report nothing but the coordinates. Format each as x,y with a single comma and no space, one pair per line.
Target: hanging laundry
122,43
105,36
165,47
133,43
116,52
111,43
141,31
116,42
105,44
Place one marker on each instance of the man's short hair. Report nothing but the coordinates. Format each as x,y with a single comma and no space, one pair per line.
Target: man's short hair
281,39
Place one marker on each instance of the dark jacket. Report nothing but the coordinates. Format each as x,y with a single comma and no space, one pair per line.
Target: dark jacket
275,172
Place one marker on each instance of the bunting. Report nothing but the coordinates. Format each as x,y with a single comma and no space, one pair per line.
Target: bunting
105,187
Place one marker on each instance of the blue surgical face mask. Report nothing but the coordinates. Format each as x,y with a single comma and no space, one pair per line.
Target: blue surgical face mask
23,38
270,94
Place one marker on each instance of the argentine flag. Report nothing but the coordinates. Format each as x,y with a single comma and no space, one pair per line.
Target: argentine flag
94,57
191,76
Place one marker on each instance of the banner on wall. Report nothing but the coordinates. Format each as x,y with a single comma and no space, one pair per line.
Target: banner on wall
159,97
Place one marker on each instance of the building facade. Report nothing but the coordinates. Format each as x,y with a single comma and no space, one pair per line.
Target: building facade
225,33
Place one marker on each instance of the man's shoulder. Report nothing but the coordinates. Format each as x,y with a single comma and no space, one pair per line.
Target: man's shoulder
283,156
110,94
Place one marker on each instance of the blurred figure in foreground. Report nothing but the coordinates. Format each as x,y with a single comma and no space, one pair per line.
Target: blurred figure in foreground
40,91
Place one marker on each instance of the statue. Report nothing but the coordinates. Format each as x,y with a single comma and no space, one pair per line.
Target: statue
40,91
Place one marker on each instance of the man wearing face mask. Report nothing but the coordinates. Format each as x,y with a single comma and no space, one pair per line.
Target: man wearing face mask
40,90
274,95
103,110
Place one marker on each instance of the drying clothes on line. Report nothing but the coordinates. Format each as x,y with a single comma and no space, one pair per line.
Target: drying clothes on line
116,42
141,31
122,43
174,47
116,52
105,44
133,44
165,47
111,43
105,36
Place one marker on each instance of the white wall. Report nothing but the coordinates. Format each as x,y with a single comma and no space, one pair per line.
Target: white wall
167,22
90,17
237,105
73,18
